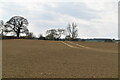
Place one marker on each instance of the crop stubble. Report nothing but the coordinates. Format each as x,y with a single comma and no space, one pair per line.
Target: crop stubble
54,59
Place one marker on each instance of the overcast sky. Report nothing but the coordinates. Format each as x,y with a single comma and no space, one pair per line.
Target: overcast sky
95,18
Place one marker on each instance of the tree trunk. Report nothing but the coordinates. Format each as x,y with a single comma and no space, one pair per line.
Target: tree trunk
18,35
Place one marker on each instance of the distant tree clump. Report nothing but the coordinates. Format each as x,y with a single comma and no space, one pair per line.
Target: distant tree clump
17,25
60,32
40,37
72,31
53,34
30,35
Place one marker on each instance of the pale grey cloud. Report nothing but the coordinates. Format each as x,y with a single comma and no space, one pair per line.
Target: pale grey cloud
95,18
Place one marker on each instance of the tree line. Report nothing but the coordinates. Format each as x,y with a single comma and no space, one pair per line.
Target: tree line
17,25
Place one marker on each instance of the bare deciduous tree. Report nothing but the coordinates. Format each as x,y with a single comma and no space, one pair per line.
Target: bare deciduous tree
1,27
72,31
16,25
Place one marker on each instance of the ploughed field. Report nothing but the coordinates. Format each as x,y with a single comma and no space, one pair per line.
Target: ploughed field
59,59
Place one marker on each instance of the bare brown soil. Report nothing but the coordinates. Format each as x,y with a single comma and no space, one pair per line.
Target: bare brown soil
54,59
